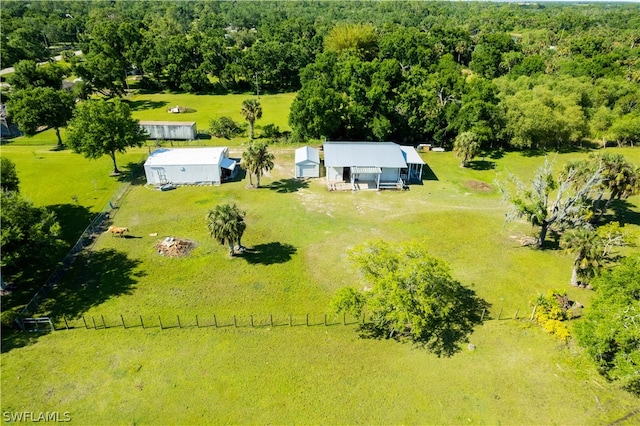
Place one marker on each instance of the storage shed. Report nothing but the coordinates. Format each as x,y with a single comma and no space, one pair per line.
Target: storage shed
170,130
189,166
372,165
307,162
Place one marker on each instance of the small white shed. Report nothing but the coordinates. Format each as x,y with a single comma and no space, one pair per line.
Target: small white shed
189,166
307,162
170,130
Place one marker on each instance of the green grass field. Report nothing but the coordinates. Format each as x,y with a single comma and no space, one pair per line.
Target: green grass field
299,233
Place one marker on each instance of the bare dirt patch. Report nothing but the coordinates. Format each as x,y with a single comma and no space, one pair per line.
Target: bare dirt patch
175,247
476,185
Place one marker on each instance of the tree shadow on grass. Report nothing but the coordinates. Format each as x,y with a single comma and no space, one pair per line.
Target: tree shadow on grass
268,254
284,186
481,165
146,104
73,219
93,278
625,212
134,174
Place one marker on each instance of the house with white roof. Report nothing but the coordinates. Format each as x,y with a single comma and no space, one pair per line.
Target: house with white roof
371,165
183,166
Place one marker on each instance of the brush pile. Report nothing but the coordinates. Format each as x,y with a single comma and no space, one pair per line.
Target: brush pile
175,247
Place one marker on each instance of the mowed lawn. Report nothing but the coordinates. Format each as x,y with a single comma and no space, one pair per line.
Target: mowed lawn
299,235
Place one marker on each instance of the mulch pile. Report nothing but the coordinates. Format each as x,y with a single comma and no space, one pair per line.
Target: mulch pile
175,247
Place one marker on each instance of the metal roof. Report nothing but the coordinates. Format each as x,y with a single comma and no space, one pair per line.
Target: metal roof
363,154
168,123
411,156
306,153
185,156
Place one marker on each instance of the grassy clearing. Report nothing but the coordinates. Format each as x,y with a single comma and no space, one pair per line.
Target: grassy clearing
317,374
300,234
275,109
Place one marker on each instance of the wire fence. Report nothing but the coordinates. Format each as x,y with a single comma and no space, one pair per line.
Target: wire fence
88,237
102,322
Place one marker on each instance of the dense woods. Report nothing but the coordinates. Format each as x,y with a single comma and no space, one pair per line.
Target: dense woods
531,76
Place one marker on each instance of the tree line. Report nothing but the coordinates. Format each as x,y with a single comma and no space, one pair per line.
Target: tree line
506,75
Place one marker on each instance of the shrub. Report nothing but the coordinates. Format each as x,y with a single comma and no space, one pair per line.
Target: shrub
551,313
225,127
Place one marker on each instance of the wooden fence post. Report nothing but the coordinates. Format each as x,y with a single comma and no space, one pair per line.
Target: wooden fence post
65,322
94,323
197,324
251,318
215,321
179,325
307,320
344,318
85,322
290,321
482,316
103,324
141,322
123,324
160,321
271,319
533,312
516,315
235,322
325,320
500,314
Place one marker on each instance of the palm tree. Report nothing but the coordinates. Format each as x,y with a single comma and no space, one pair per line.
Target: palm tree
466,147
251,111
257,160
226,224
593,249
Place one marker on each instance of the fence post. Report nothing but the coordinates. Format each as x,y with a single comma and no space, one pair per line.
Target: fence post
141,322
215,321
65,322
290,321
103,324
123,324
271,319
251,318
482,316
500,314
179,325
94,323
85,322
235,323
533,312
197,323
325,320
516,315
160,321
307,320
344,318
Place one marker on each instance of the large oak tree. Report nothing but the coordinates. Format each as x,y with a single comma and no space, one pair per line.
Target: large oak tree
101,127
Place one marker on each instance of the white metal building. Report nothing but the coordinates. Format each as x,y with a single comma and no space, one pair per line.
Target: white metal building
375,165
307,162
189,166
170,130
